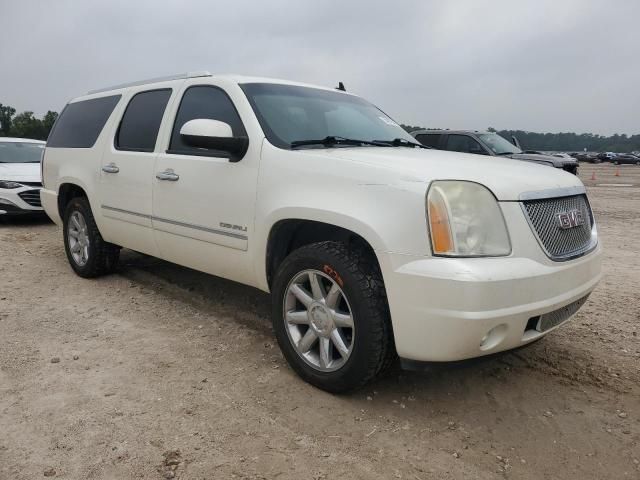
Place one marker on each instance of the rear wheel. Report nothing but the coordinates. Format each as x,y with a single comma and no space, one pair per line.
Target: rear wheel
88,254
330,316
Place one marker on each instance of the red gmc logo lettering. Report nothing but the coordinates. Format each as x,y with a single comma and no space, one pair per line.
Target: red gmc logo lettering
570,219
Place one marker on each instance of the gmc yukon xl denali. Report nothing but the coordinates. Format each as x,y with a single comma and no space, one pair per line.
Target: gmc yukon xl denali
372,246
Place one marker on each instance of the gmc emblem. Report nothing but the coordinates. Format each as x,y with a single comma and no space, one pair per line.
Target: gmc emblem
570,219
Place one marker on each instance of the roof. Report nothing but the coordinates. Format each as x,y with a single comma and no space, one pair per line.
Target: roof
20,140
438,131
183,76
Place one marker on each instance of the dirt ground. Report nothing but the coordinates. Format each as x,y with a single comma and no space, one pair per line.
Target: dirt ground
162,372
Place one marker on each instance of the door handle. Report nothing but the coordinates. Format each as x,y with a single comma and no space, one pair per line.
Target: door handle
110,168
169,175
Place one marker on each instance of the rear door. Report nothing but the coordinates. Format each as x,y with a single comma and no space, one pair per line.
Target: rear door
126,171
203,204
464,143
430,139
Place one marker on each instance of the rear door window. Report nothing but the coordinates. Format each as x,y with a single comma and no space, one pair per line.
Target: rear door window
464,143
204,101
80,123
429,139
141,121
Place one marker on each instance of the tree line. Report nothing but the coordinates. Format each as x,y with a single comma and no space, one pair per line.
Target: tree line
565,142
25,124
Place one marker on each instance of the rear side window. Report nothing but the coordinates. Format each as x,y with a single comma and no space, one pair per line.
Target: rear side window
80,123
204,101
429,139
140,123
464,143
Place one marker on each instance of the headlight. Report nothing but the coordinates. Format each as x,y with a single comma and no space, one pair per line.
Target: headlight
9,184
465,220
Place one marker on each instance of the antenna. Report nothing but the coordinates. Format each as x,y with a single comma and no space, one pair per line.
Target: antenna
341,87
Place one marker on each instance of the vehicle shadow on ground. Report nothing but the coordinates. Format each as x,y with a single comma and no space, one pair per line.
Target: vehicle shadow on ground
251,307
24,220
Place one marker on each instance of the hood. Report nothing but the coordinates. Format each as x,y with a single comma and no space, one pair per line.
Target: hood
20,172
504,177
543,159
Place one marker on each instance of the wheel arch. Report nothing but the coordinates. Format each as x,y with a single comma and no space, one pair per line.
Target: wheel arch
67,191
288,234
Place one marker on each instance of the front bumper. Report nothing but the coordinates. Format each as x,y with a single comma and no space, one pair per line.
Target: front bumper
20,201
447,309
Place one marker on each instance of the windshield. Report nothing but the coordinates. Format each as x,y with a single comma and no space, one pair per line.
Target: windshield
20,152
289,113
497,144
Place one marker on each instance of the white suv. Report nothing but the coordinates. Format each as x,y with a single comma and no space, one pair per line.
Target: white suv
371,245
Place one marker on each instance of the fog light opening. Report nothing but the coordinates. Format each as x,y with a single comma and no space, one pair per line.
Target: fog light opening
493,337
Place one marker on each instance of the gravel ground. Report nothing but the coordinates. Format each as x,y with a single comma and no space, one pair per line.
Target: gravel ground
162,372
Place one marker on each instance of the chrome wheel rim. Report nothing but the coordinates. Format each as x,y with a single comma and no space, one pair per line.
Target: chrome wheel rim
78,239
318,320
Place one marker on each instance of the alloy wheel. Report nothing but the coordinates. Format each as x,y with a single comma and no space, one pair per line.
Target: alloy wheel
318,320
78,238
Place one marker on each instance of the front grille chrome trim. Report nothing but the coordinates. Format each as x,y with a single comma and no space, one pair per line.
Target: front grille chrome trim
553,193
567,255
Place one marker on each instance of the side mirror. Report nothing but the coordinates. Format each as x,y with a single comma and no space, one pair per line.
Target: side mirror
214,135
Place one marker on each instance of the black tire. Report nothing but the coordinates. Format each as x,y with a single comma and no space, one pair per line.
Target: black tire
362,284
102,256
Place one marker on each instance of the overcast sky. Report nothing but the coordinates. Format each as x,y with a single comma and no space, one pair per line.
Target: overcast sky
562,65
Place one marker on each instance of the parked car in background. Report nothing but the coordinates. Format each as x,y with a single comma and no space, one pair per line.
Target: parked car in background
488,143
371,245
607,156
566,156
626,159
586,157
20,176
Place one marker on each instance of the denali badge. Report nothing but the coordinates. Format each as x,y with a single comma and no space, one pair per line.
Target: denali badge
570,219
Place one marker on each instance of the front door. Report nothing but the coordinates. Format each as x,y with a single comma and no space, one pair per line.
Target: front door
203,204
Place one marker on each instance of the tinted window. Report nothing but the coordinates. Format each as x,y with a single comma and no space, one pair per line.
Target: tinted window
80,123
429,139
463,143
141,121
204,102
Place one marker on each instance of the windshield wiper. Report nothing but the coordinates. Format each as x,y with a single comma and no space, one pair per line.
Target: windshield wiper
506,153
401,142
331,141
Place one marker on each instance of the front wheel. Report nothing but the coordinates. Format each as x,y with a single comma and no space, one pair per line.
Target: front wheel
330,316
88,254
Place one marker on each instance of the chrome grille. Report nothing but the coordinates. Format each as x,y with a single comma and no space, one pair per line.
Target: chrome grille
559,243
32,197
551,319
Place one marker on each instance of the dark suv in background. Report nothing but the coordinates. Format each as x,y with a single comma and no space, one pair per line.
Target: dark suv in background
488,143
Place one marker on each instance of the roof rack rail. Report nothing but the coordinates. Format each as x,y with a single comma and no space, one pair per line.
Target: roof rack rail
179,76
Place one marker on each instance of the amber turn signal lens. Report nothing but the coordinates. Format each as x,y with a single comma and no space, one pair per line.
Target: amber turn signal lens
440,226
